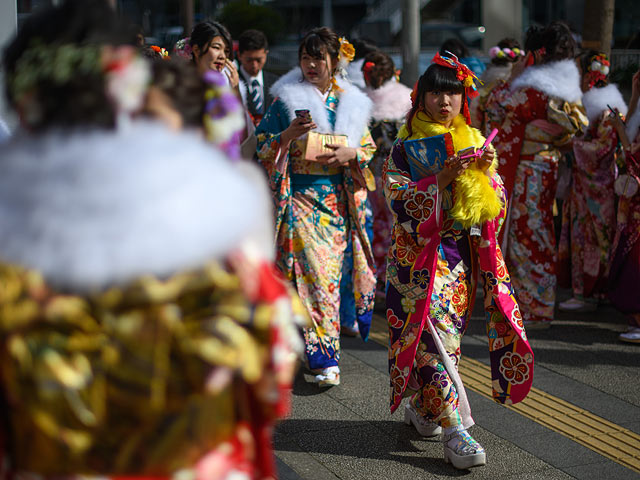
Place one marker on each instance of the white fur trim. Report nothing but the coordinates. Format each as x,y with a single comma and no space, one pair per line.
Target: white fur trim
391,101
352,114
556,79
98,208
633,124
595,101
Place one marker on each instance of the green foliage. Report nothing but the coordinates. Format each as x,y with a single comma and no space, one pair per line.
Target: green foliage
240,15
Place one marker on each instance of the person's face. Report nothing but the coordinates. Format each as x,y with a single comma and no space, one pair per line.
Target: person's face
316,71
253,60
212,57
443,107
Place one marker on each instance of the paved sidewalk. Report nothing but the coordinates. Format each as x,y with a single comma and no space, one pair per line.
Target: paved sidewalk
346,432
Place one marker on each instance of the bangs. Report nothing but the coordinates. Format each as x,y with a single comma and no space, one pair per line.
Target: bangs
314,46
442,79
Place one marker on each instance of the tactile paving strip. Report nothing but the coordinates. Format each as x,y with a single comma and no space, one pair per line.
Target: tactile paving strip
603,437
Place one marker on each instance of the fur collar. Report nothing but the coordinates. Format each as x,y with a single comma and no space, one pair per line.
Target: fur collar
352,114
391,101
556,79
595,101
94,209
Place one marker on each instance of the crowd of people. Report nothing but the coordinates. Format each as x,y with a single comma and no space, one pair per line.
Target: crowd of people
182,228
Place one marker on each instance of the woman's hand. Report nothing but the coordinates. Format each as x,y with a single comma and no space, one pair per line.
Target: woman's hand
453,167
518,67
619,126
340,157
231,72
297,128
486,159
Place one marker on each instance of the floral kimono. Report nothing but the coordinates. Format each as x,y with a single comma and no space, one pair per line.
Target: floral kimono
624,273
391,102
318,208
492,77
541,112
588,217
432,271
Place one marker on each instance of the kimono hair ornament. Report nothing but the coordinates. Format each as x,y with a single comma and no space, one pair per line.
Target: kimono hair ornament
597,70
183,49
345,56
465,75
127,74
162,52
366,70
505,53
223,111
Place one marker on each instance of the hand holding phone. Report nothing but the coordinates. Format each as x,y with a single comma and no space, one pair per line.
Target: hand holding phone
305,115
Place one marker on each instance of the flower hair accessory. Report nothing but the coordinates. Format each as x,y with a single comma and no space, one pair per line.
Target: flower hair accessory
366,70
597,70
511,54
464,74
183,49
346,53
127,75
162,52
224,117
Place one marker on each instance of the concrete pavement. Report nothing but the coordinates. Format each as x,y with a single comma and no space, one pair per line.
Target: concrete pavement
346,432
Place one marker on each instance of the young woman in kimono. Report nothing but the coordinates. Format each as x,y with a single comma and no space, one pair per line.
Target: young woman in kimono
320,204
444,235
541,112
143,329
391,102
624,270
588,218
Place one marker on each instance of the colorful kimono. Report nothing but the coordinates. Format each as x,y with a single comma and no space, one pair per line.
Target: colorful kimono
142,332
624,273
492,77
391,102
432,275
541,112
318,208
589,219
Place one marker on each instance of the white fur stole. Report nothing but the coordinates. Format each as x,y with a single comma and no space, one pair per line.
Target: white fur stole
352,114
93,209
555,79
391,101
595,101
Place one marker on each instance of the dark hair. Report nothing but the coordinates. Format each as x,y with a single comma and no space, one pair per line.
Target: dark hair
181,82
81,100
509,43
533,38
252,40
435,78
584,59
558,42
455,46
363,47
382,71
319,42
204,32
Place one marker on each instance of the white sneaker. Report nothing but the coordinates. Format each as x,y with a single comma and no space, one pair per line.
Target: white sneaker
630,336
576,305
329,377
425,427
462,451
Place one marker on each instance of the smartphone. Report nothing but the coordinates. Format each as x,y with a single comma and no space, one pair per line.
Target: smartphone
304,114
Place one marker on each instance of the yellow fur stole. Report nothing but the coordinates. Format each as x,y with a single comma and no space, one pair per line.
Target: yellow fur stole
474,199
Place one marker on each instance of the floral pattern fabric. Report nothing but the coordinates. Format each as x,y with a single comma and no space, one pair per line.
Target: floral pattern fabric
200,363
317,209
533,127
431,279
588,218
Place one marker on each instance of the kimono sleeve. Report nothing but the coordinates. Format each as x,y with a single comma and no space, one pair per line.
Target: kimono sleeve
604,139
414,205
271,152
